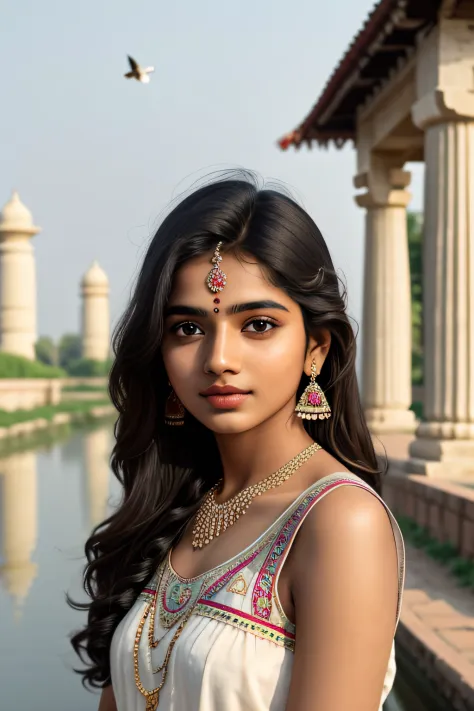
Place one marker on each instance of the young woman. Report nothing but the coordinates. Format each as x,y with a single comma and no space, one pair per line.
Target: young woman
252,565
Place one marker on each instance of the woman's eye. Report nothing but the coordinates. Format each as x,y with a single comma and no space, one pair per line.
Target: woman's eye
186,329
259,325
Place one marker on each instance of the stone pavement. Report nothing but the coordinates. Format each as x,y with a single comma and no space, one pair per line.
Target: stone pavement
437,628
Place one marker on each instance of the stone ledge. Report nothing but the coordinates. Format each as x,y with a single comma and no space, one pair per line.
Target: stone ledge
447,669
444,508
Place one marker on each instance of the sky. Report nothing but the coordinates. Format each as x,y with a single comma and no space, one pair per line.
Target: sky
97,158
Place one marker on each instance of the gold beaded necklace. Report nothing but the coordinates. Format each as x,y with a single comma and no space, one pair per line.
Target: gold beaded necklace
212,518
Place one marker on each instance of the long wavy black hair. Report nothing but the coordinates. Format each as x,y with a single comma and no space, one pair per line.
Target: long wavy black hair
165,471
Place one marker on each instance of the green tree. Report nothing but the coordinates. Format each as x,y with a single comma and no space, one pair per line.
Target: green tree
46,351
69,349
84,367
415,250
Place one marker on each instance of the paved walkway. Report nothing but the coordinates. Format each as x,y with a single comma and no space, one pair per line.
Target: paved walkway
439,614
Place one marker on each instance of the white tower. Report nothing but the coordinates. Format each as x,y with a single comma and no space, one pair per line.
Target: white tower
95,314
17,279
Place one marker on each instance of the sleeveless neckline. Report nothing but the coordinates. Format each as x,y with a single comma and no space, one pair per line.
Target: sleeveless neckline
258,540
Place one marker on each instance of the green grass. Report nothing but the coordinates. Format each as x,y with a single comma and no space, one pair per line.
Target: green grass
47,412
83,388
445,553
13,366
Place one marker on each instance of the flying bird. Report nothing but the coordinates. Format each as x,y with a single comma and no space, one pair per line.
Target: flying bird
137,72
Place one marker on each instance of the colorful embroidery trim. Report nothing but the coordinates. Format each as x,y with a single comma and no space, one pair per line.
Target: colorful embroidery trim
263,588
243,621
176,596
220,582
147,594
239,586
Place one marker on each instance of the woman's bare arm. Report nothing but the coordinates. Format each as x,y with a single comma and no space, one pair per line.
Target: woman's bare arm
107,700
345,585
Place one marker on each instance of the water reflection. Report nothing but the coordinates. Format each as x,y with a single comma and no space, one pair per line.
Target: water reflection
50,497
18,532
97,447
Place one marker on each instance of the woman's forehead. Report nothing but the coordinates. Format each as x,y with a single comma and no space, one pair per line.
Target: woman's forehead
245,279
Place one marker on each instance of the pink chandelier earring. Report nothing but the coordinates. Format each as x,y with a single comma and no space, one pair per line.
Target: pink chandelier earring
313,404
174,411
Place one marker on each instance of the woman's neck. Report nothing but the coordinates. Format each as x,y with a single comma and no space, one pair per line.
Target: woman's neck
249,457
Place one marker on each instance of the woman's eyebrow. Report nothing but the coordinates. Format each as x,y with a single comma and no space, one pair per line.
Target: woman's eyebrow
182,310
255,306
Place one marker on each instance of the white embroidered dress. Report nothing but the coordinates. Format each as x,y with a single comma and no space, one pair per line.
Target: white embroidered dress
235,651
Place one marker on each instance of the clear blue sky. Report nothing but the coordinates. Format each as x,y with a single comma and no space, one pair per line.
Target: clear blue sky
97,158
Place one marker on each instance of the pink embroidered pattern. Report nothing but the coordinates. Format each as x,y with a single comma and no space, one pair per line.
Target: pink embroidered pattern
263,588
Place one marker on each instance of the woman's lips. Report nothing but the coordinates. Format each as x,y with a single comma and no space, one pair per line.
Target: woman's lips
226,402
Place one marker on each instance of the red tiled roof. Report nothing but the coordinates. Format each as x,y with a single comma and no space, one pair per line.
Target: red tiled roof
376,24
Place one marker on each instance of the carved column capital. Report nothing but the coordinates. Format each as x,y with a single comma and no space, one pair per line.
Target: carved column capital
385,188
443,106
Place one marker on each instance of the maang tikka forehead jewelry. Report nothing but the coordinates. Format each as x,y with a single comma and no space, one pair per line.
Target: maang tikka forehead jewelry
216,279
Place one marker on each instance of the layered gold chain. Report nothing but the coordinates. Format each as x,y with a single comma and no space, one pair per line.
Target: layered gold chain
152,696
212,518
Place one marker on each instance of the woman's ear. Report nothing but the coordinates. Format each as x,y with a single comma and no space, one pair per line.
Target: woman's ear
318,348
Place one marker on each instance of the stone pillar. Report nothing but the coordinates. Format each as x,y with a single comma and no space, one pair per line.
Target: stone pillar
17,280
444,445
95,314
386,326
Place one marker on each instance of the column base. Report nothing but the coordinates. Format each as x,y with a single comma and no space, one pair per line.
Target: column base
441,458
385,421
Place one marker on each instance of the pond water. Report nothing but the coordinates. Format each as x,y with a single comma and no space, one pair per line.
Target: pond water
50,497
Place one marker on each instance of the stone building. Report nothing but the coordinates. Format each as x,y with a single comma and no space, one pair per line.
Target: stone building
95,314
17,279
404,92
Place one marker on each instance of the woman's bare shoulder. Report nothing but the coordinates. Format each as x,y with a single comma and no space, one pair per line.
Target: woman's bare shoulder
107,699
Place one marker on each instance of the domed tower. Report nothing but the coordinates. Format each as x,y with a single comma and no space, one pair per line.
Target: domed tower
95,314
17,279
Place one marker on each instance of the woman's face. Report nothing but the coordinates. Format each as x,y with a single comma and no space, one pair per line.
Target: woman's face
255,343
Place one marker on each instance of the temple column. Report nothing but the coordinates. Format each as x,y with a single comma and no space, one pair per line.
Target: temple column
444,444
386,327
447,434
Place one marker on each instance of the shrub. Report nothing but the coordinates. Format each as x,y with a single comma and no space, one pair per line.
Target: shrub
14,366
82,367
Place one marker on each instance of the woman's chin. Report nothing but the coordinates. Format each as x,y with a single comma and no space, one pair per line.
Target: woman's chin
229,422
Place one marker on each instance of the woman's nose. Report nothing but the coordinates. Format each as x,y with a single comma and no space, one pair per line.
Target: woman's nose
222,351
